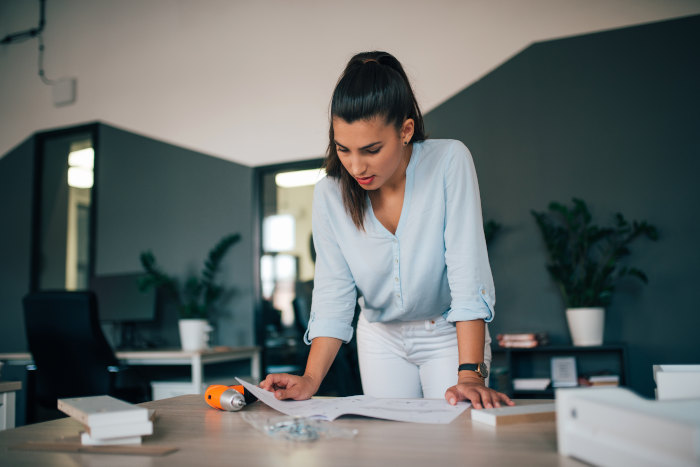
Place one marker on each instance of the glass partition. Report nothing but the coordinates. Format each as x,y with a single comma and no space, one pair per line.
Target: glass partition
63,209
286,260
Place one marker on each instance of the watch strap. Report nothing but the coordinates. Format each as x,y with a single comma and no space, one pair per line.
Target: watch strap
468,367
478,368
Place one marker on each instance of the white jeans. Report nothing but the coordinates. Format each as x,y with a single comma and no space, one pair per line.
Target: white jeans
409,359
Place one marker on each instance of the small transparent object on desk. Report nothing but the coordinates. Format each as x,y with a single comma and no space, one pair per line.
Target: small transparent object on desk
292,428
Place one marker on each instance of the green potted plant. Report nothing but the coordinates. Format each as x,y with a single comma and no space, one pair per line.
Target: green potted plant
586,262
195,297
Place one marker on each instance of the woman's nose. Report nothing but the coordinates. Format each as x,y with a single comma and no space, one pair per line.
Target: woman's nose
357,165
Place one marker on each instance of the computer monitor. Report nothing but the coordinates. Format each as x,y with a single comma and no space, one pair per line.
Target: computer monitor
119,299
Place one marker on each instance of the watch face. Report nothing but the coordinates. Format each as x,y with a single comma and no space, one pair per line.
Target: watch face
482,370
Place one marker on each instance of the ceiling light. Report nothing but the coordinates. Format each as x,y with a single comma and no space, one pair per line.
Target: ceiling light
80,177
299,178
84,158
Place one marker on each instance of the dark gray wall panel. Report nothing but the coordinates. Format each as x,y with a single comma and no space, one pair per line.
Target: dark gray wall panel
16,169
177,203
611,118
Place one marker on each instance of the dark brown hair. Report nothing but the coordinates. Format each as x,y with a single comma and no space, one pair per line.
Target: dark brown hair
373,84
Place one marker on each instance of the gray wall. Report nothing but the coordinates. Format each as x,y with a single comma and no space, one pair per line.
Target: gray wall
611,118
16,172
149,195
177,203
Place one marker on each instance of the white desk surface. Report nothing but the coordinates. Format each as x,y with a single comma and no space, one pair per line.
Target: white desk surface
197,359
7,386
206,436
159,354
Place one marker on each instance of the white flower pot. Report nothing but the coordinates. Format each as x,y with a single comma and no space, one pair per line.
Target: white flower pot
194,334
586,325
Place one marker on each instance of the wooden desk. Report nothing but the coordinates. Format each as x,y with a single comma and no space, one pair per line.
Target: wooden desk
195,359
210,437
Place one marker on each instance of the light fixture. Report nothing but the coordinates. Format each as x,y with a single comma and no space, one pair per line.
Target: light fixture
299,178
80,168
80,177
278,233
82,158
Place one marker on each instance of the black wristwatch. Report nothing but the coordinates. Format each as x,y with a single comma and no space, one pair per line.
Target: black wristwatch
478,368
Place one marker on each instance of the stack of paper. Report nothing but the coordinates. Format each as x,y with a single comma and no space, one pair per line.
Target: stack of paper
604,380
515,414
611,426
522,340
401,410
677,381
531,384
107,420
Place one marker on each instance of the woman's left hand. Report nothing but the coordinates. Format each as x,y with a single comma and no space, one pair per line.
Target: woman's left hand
474,390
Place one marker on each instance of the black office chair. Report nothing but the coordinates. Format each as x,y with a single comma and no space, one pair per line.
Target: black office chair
343,378
72,357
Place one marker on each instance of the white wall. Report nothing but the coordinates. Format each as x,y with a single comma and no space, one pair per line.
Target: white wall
250,81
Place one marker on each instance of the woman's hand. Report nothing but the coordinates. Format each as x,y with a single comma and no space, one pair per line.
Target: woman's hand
474,390
286,386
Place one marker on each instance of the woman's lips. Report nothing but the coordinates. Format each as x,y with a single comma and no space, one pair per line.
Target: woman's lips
365,180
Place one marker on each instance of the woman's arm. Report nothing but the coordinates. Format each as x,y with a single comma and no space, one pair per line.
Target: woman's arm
321,355
470,341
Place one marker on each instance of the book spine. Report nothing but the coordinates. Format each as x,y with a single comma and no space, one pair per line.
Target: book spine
121,430
518,344
523,336
139,414
88,440
72,412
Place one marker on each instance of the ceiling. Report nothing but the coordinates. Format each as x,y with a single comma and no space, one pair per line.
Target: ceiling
250,81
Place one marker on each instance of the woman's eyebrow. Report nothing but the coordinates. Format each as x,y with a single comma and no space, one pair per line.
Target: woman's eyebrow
370,145
363,147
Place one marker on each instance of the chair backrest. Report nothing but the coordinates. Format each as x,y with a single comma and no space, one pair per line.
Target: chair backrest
302,312
67,344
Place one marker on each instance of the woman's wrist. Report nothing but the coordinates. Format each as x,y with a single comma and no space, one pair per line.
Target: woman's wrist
315,384
470,377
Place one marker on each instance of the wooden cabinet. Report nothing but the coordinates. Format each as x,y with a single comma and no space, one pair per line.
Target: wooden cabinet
508,364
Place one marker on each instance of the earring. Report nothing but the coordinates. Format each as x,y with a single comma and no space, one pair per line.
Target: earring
405,143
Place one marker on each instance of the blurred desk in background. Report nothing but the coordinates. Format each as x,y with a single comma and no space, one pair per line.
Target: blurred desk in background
195,359
7,403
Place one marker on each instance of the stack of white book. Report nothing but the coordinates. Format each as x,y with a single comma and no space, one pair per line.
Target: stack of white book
531,384
108,421
677,381
612,426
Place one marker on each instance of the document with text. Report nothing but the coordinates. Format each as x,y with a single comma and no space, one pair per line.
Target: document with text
402,410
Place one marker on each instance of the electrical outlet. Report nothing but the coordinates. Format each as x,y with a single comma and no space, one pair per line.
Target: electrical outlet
63,91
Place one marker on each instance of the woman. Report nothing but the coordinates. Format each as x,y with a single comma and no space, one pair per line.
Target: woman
397,221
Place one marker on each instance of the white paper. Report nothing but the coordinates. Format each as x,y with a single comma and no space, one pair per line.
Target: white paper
564,373
402,410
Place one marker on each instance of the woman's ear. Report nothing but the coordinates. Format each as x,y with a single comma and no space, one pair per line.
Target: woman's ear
407,129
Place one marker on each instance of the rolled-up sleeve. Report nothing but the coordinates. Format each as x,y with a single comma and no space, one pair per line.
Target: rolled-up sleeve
466,257
335,294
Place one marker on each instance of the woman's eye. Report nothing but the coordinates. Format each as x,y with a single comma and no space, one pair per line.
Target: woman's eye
374,150
339,149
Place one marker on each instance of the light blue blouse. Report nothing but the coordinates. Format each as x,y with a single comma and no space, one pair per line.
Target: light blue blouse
435,264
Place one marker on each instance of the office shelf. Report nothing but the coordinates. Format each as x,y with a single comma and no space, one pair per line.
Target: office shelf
509,363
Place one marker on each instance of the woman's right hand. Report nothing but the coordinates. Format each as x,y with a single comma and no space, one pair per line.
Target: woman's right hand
286,386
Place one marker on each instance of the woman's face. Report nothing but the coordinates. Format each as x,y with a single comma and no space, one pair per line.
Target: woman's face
372,151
